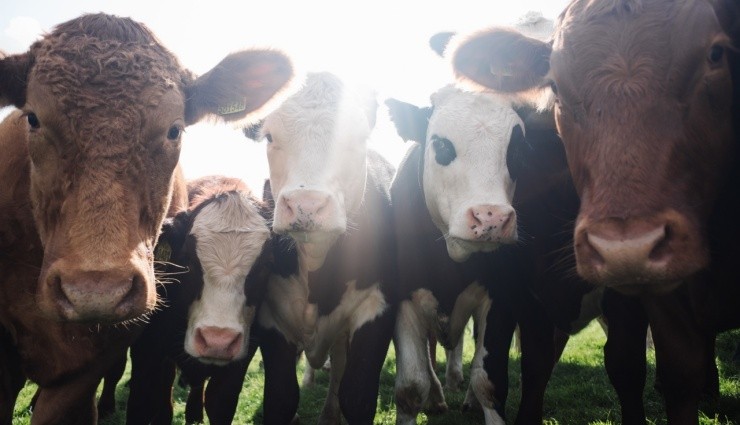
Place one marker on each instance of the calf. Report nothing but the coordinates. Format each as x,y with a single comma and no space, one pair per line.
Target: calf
470,148
333,292
216,254
88,171
645,95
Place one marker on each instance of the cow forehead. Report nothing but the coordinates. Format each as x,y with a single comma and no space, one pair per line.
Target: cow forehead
630,45
97,81
322,110
465,117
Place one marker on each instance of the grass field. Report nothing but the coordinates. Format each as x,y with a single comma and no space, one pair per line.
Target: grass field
579,391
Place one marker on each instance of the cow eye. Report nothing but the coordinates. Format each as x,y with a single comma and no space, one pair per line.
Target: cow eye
33,121
554,88
268,137
716,53
444,151
174,133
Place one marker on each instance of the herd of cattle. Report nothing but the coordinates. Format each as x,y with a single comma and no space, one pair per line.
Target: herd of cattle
609,142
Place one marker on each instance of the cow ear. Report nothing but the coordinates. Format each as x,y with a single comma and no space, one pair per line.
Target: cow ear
411,121
501,59
239,86
14,72
438,42
171,237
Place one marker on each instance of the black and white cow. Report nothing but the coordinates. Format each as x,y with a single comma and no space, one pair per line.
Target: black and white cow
216,256
471,147
335,294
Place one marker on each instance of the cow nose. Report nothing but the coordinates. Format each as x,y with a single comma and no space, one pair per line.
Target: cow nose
218,343
492,223
304,210
616,249
97,296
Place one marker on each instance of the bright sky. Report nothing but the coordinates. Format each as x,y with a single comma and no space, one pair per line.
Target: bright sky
380,43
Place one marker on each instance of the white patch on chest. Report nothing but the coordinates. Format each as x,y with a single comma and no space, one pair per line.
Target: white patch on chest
286,308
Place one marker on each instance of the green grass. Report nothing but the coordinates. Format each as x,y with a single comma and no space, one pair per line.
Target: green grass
579,391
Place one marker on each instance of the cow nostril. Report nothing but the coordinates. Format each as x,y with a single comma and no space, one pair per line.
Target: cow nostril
591,253
661,249
473,219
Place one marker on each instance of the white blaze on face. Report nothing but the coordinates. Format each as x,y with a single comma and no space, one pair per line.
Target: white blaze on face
230,234
467,185
317,147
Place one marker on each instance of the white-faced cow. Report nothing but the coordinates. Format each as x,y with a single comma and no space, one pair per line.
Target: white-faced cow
335,295
87,171
216,254
467,143
645,95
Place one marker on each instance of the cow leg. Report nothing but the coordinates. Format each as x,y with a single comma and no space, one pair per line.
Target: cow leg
12,379
222,392
682,356
413,364
331,414
454,373
538,355
281,384
194,403
489,375
69,404
148,387
368,347
624,354
107,401
164,406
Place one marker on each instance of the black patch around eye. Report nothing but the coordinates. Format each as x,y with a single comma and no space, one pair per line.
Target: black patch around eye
517,153
444,151
174,133
33,120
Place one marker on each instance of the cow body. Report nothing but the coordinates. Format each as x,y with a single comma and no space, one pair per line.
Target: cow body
216,253
525,284
333,294
91,168
647,121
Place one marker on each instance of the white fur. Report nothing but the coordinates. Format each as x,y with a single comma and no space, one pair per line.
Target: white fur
319,144
229,237
480,127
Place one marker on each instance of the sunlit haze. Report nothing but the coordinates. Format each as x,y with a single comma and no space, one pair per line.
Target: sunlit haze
381,44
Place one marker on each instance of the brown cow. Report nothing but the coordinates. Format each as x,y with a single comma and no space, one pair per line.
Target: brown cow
645,99
95,145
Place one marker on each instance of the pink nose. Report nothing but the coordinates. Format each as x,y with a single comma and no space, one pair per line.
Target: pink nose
218,343
96,296
304,210
492,223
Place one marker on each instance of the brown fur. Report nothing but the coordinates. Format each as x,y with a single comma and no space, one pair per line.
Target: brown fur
103,105
650,122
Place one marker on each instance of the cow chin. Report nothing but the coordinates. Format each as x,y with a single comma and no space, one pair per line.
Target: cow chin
460,249
314,246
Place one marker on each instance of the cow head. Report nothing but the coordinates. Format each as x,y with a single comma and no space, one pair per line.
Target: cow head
642,96
222,242
472,146
106,106
317,153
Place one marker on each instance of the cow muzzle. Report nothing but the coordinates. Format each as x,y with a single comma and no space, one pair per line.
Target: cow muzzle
641,254
95,296
217,345
308,212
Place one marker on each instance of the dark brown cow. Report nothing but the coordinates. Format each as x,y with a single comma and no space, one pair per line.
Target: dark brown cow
87,171
217,254
645,98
